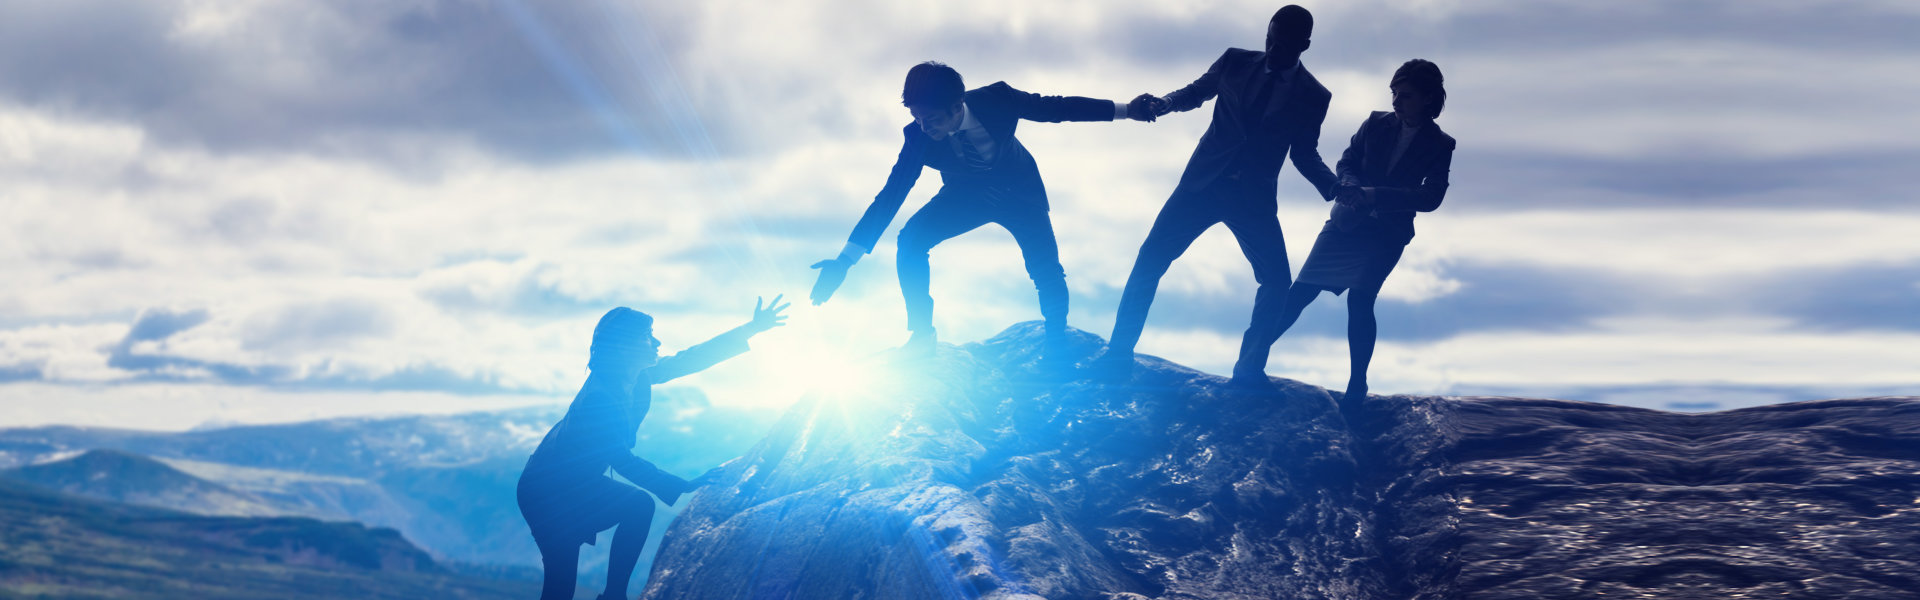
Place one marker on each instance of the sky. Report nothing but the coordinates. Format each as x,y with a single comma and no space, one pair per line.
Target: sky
250,211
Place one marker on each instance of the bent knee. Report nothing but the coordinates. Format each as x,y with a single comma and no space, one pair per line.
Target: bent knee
642,505
1362,299
1153,261
909,244
1045,271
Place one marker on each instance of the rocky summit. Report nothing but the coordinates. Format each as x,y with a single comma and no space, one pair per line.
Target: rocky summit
973,474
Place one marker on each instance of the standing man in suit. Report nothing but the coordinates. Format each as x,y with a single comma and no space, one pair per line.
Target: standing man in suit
1268,107
987,176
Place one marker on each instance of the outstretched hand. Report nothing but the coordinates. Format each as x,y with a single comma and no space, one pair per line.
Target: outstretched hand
1146,107
767,316
833,271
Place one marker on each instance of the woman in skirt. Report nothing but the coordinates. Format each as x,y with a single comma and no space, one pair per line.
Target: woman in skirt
1395,166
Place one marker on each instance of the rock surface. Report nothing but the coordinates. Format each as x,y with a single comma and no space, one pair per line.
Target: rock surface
967,475
1502,498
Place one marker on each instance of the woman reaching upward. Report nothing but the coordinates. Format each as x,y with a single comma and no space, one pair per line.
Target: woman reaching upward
565,493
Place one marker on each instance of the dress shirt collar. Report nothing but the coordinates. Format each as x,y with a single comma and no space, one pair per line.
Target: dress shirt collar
1407,128
967,121
1283,75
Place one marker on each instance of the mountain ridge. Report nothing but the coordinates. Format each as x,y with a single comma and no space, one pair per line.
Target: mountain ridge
971,475
125,477
60,545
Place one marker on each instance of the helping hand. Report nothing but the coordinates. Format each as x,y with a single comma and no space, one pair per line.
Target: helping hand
1350,195
833,271
768,317
1146,107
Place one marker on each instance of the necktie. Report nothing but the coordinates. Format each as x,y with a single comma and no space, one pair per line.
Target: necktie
1264,96
968,152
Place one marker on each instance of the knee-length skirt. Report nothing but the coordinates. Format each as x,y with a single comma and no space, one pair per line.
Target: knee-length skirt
1342,260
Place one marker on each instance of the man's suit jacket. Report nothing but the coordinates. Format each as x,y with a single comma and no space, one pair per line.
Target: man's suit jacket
1417,182
1013,175
1250,141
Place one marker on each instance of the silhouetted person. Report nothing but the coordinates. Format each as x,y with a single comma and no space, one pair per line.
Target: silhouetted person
1396,165
1268,107
565,493
986,176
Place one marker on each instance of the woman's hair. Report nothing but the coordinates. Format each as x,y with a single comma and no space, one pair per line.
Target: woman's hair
1425,76
621,333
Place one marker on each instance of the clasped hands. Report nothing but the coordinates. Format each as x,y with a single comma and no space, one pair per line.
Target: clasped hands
1147,107
1351,195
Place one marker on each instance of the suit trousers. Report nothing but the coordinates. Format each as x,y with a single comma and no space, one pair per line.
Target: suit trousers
954,211
1248,212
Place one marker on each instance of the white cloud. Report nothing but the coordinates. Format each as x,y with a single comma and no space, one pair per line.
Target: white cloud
67,352
178,407
353,202
1692,246
1629,352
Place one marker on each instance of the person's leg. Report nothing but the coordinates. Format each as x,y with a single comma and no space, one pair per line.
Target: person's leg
949,214
1362,328
539,504
1180,222
1258,233
1299,295
1032,230
1361,332
560,562
629,539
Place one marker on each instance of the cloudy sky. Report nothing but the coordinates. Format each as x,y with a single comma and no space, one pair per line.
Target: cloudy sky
264,210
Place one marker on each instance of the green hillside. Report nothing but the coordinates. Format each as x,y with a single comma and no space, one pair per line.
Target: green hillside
59,546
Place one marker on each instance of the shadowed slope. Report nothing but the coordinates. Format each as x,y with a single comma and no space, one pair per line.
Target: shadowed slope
1507,498
965,476
957,478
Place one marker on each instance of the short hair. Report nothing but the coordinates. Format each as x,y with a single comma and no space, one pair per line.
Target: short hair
1424,76
932,84
1292,22
620,334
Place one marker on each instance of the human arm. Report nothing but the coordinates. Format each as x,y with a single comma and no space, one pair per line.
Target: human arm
1348,169
866,234
724,346
900,179
1056,109
1424,197
647,476
1200,91
1304,148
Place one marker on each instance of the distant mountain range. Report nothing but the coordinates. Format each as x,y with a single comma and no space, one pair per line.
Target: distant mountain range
445,482
120,476
55,545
